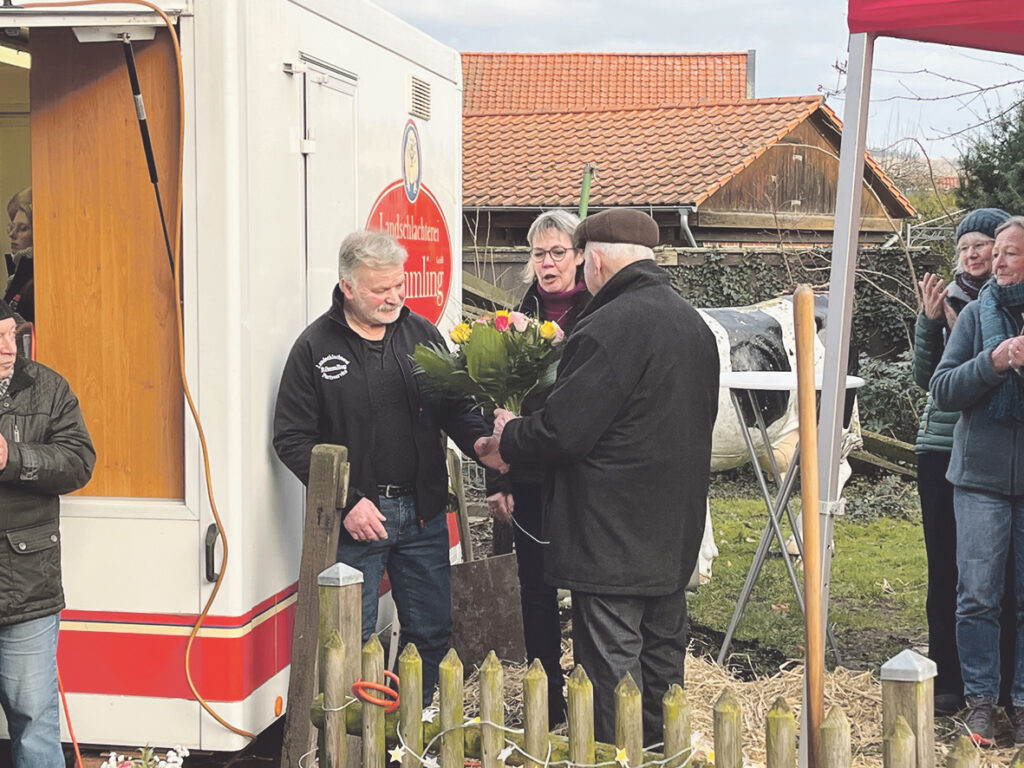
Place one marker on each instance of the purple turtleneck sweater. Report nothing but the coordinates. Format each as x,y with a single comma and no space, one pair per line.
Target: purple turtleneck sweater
553,306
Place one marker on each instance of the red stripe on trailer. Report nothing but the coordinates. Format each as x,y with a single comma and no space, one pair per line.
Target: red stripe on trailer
454,539
102,658
179,619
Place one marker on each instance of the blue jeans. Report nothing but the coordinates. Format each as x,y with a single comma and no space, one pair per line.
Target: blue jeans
416,558
28,691
985,524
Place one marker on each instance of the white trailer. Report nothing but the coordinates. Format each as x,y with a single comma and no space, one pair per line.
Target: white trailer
303,120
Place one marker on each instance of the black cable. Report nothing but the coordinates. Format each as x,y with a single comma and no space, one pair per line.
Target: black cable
147,142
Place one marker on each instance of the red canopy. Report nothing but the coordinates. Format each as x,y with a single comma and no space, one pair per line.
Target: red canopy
994,25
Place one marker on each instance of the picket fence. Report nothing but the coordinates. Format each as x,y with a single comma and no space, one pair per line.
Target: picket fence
446,738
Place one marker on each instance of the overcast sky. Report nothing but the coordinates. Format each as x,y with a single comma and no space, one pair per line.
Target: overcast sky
798,42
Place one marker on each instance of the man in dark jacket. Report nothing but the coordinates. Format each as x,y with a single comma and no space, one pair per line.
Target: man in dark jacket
626,437
45,450
348,381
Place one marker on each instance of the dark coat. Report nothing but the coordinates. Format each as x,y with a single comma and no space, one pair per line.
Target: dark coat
626,437
49,453
20,293
935,433
323,398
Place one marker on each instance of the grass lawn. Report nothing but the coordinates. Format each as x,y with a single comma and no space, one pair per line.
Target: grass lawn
878,587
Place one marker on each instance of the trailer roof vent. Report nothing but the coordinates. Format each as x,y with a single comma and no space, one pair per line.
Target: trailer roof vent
419,98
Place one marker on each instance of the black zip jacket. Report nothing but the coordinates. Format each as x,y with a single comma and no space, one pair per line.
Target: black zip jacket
323,398
49,453
626,438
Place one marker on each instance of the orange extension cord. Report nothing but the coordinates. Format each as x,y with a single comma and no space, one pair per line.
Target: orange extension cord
181,351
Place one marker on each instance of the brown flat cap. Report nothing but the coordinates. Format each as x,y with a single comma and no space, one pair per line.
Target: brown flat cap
617,225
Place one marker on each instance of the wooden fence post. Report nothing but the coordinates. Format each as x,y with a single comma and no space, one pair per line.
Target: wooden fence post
780,736
907,691
410,708
373,715
492,710
1018,760
453,740
326,492
340,590
728,720
334,744
535,709
898,745
835,740
629,720
581,717
963,754
341,611
675,709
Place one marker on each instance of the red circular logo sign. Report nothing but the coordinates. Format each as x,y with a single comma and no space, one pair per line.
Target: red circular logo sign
421,229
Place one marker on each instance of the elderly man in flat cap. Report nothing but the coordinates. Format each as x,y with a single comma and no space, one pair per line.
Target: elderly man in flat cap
626,439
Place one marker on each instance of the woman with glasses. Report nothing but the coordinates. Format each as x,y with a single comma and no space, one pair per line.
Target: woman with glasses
557,292
20,293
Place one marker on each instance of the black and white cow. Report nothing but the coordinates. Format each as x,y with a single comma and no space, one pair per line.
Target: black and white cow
760,337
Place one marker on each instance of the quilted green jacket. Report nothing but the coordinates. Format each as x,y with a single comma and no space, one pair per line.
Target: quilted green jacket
935,434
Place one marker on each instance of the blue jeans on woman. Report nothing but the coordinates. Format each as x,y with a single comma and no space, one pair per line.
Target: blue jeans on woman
416,558
28,691
985,525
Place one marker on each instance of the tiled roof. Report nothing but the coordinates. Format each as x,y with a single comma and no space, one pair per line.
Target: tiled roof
659,157
553,82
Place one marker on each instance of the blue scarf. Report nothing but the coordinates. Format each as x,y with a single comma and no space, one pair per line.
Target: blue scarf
999,306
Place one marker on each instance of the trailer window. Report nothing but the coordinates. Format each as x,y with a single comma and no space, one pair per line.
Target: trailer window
105,306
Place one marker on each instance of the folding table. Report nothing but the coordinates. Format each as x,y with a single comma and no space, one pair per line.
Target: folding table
747,384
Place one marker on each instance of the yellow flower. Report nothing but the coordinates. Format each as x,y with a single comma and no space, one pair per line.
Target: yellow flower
460,333
548,329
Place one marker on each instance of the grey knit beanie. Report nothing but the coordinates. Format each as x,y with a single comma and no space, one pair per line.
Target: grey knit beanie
984,220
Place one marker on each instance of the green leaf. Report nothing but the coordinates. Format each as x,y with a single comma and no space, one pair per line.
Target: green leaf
486,355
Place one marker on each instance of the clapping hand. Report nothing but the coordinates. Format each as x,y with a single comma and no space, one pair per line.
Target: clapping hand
933,295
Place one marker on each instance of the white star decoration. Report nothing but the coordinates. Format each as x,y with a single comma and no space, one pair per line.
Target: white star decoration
621,759
430,762
429,714
504,754
397,754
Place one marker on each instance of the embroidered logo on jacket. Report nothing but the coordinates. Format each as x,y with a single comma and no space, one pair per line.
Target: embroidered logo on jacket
332,367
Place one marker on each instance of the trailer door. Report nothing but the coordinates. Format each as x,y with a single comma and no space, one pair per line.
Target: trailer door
330,150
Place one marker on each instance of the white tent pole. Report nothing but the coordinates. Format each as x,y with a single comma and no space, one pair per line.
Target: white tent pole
840,293
840,302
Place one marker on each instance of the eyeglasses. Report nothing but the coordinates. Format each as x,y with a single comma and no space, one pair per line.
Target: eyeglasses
18,229
557,253
977,246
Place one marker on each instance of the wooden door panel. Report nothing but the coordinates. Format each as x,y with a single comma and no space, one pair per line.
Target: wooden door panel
104,294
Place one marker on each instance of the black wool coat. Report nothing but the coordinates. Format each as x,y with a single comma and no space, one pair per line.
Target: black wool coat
626,438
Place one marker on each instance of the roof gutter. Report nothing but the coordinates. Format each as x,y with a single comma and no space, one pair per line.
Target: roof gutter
684,222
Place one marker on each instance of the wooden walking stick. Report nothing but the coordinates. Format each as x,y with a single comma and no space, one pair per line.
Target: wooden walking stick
814,669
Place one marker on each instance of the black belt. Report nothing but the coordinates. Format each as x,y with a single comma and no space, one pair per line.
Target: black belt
395,491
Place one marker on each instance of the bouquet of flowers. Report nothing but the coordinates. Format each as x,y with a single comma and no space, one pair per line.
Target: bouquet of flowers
499,360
